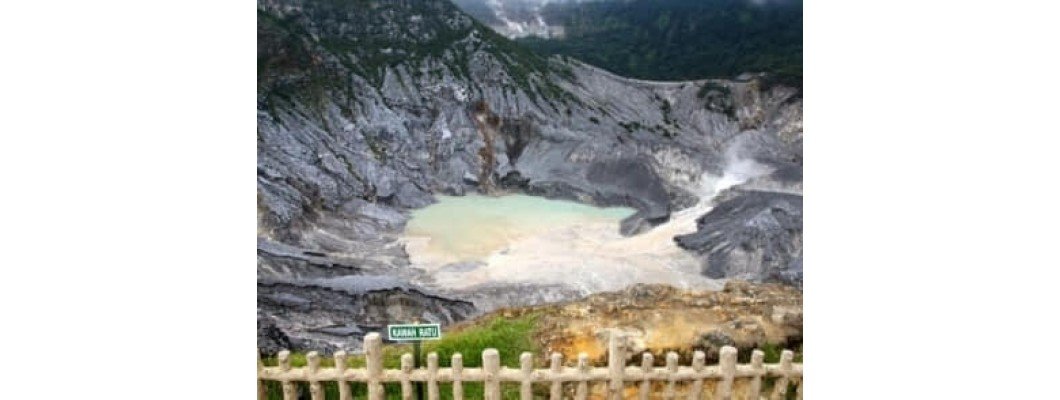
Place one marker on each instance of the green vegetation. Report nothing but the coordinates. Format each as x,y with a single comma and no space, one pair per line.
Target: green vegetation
712,87
666,110
510,337
285,51
681,39
634,126
717,98
772,355
527,68
630,127
302,57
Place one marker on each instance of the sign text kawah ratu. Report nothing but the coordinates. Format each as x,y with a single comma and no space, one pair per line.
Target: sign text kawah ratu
414,332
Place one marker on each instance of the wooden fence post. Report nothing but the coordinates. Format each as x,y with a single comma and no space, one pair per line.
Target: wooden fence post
526,366
647,365
757,357
406,376
373,352
458,369
340,369
285,366
582,392
671,375
261,385
556,391
316,390
728,372
781,387
432,376
699,360
611,379
616,364
491,364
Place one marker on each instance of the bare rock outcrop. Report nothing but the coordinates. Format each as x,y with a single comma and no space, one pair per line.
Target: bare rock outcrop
660,318
367,109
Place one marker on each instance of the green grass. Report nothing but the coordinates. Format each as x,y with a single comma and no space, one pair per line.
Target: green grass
511,337
772,356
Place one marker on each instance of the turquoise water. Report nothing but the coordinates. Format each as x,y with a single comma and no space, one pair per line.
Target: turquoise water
473,226
465,242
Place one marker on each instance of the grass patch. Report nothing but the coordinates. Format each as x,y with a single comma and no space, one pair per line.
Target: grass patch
772,356
511,337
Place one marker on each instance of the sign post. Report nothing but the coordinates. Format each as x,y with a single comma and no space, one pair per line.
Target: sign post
414,333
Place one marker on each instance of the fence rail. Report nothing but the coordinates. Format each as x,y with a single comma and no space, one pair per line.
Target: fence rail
616,375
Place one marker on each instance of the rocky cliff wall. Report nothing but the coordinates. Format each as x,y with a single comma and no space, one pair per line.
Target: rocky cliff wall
368,108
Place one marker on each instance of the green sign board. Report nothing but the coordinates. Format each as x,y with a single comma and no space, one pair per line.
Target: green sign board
408,332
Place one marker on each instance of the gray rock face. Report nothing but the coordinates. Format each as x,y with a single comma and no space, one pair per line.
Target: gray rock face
270,338
368,109
492,297
335,314
751,235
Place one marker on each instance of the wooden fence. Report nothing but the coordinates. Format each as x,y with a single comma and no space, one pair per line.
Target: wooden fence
492,374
